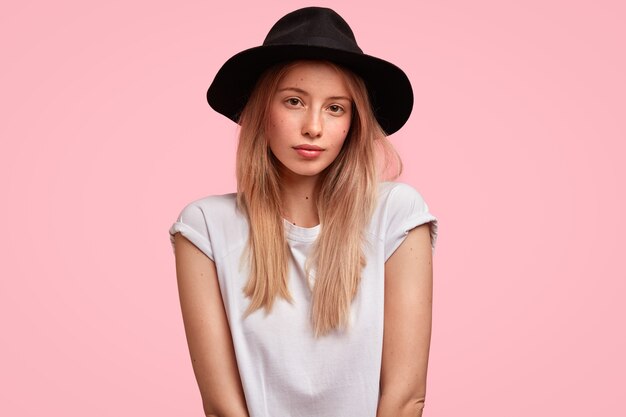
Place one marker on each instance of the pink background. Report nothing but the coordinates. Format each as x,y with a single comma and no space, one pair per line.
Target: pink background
516,142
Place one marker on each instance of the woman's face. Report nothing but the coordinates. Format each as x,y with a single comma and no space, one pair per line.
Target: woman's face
310,115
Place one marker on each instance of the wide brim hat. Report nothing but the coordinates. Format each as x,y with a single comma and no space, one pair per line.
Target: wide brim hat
313,33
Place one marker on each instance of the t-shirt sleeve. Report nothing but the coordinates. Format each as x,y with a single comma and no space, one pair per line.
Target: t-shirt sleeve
191,222
406,210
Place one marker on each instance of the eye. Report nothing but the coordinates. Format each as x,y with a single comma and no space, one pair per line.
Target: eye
293,101
335,108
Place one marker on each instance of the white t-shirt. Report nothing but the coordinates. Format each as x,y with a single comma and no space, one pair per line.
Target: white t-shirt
284,370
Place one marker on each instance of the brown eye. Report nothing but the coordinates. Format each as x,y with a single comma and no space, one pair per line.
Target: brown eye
293,101
335,108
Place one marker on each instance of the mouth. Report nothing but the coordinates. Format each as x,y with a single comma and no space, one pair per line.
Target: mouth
309,147
308,151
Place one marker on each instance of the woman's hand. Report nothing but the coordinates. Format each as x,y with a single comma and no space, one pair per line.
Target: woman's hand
208,334
407,327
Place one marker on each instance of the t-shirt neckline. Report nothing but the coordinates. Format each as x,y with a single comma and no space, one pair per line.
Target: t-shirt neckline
301,234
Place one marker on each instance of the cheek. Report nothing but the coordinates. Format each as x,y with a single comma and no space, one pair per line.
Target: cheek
343,131
275,118
281,123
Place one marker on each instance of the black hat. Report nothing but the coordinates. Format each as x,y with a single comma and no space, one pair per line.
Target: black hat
313,33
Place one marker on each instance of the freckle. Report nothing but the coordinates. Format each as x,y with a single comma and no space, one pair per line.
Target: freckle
307,198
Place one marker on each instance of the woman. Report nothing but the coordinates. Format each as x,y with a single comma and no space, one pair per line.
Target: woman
287,285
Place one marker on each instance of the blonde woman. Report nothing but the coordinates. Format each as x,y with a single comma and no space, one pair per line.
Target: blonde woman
308,292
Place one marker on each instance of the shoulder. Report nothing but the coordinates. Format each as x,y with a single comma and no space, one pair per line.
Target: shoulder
215,213
395,195
400,208
215,202
212,223
209,207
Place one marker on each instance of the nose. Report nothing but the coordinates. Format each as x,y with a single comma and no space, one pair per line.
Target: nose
312,125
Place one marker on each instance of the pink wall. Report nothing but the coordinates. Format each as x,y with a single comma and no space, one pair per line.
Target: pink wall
516,142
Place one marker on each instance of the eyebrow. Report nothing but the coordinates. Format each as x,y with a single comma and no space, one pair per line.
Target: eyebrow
301,91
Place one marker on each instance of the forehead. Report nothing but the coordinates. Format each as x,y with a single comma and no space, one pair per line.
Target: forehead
315,76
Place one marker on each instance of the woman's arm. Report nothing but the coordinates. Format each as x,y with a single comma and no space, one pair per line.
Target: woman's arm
408,315
208,334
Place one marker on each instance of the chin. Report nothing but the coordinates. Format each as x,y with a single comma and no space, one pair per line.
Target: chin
307,173
303,172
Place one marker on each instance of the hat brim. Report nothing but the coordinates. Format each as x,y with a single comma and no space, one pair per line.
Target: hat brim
388,86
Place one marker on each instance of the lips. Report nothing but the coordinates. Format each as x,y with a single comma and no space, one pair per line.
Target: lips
309,147
308,151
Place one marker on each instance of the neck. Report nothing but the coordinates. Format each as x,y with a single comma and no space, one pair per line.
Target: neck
298,196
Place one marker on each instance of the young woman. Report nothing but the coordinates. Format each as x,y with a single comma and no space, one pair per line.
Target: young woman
309,291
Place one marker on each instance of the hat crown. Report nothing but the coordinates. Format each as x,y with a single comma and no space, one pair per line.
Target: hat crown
313,26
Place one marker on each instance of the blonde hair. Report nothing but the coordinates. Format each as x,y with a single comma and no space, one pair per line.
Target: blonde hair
345,204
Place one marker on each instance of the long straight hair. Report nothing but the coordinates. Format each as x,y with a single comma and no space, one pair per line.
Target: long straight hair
345,203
